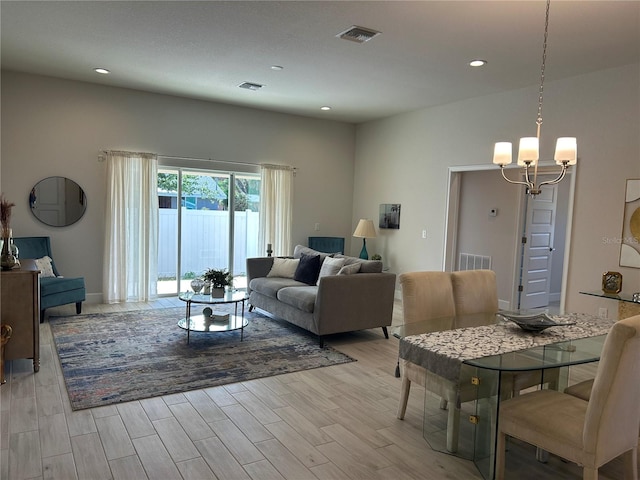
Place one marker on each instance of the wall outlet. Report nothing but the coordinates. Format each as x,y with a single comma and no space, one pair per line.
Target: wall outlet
424,234
603,312
317,227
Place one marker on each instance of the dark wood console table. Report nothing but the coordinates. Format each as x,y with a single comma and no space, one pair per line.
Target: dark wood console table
20,308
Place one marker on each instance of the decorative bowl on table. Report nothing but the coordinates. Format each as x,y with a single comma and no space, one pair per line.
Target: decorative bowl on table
197,284
536,322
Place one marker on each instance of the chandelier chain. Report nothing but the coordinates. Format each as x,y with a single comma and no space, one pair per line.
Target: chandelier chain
542,68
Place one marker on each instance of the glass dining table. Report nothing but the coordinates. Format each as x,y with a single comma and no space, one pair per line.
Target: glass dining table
487,350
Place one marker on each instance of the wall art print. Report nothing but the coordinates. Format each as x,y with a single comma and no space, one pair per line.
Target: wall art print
630,244
389,215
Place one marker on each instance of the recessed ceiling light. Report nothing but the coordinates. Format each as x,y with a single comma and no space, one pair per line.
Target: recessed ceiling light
325,108
277,67
477,63
103,71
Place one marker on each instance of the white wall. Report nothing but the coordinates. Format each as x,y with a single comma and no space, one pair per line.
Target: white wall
56,127
481,234
404,159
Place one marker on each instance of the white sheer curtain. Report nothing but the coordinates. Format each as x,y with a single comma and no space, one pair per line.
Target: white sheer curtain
276,194
131,228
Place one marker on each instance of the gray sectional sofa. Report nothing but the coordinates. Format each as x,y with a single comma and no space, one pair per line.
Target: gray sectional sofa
357,297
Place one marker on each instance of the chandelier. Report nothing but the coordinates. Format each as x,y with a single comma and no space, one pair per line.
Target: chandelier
528,151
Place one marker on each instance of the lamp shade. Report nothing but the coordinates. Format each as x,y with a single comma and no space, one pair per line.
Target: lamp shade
566,151
528,151
365,229
502,153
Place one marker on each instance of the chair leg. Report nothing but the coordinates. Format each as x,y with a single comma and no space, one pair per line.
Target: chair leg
78,308
590,473
500,455
386,332
453,427
404,397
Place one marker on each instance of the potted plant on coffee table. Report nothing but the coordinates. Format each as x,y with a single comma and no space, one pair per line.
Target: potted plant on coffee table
218,279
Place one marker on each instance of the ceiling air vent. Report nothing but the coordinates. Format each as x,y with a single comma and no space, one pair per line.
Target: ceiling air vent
358,34
251,86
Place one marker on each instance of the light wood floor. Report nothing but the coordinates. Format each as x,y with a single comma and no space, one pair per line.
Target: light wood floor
331,423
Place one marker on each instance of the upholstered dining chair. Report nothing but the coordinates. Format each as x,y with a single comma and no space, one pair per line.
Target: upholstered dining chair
428,296
588,433
581,390
476,291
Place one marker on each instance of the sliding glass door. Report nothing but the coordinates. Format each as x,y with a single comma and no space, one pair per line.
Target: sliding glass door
214,224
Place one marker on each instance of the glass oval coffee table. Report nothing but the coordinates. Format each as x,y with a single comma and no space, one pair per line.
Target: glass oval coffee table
209,321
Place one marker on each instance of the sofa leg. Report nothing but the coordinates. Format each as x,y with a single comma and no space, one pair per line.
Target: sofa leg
386,333
78,308
41,316
321,341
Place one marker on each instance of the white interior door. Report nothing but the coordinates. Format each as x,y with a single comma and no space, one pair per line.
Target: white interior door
49,201
538,248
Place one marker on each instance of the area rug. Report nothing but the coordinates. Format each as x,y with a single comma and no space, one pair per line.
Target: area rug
119,357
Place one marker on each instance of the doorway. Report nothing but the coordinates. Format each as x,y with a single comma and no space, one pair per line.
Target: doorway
486,216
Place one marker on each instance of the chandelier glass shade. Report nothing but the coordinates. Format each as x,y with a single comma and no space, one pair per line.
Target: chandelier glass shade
566,153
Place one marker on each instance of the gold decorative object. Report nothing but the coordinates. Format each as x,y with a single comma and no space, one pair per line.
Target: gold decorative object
612,282
5,335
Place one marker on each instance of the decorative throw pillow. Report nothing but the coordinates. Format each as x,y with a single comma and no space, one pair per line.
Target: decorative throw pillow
283,267
308,269
45,267
330,266
349,269
301,249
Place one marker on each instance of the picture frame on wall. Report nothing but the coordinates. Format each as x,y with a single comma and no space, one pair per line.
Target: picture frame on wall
389,216
630,241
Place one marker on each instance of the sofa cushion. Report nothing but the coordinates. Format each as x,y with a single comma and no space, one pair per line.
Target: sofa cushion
269,286
44,265
349,269
366,266
308,269
302,298
283,267
330,266
55,285
301,249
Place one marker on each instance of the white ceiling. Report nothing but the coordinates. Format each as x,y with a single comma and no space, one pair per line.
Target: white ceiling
204,50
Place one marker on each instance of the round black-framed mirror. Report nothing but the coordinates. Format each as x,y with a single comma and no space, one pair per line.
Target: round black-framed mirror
57,201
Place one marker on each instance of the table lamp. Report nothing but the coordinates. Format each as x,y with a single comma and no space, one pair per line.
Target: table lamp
364,230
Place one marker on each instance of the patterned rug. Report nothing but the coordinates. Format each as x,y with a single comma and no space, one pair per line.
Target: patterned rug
119,357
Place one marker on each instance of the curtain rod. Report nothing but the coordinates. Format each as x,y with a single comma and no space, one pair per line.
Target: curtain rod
211,160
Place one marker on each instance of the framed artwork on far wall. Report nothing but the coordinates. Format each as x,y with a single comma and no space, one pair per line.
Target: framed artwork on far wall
389,215
630,241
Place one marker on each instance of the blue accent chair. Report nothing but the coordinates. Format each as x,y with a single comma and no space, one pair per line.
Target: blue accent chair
54,291
327,244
